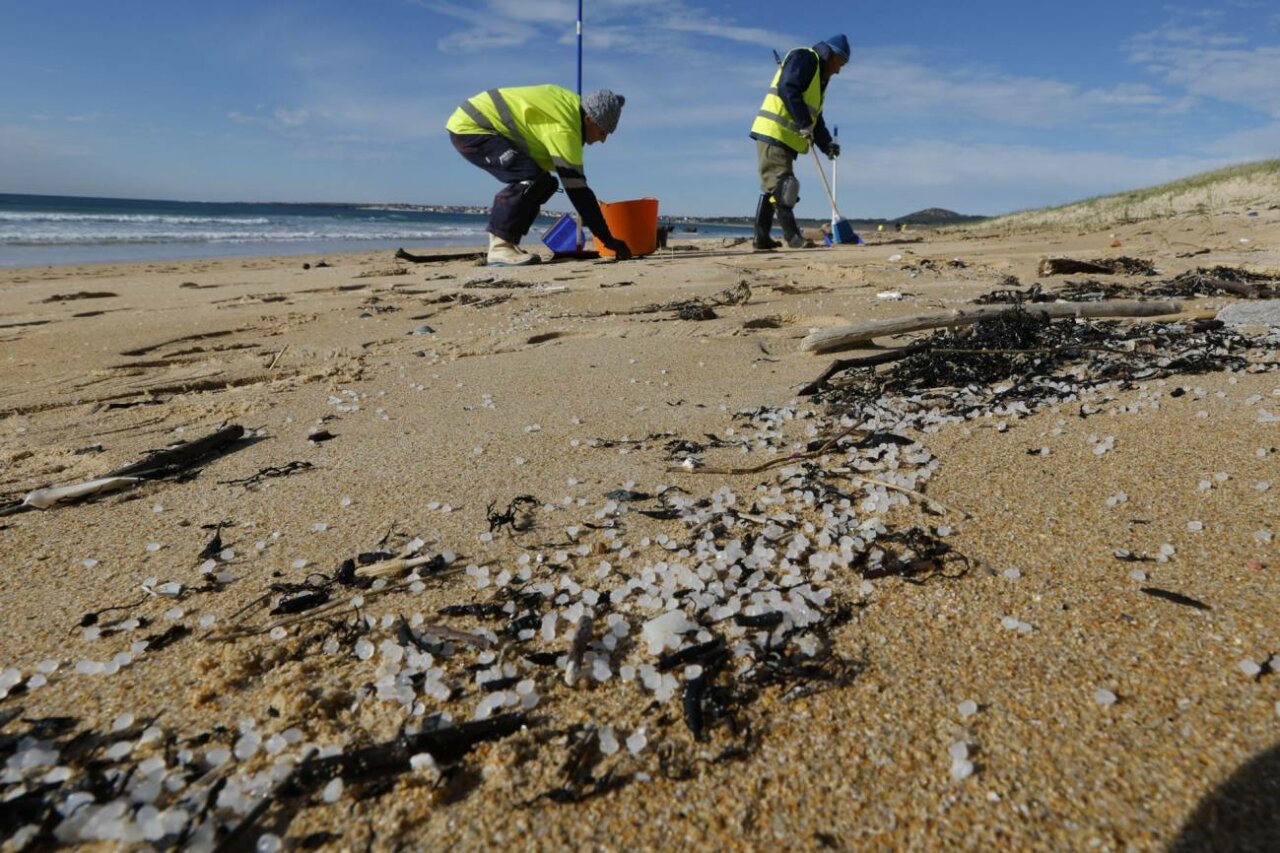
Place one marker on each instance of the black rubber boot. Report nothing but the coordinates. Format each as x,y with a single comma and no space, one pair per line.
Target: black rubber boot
764,224
790,231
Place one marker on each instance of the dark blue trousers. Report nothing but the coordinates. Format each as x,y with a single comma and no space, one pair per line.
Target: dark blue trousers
513,214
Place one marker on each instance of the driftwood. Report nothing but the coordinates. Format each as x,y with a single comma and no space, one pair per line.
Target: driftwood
179,457
846,337
392,568
45,498
1235,288
162,463
402,255
1070,266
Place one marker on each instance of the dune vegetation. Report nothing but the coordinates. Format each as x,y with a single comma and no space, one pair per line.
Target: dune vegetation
1234,188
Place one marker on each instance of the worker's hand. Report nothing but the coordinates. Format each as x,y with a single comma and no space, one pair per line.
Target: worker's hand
620,249
833,150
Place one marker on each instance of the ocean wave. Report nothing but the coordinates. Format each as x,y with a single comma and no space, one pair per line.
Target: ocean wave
132,218
293,236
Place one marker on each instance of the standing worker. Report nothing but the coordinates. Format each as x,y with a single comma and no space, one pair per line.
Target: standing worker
521,135
790,119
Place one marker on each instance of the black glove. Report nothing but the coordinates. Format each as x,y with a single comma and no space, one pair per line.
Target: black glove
619,248
833,150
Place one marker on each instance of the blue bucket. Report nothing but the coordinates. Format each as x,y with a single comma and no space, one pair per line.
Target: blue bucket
563,237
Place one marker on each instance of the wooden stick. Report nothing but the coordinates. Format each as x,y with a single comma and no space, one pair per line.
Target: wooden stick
272,366
402,255
387,568
180,456
1239,289
846,337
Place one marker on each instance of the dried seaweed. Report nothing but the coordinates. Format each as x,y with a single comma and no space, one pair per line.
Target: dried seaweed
1019,361
92,618
166,638
298,598
476,301
519,514
1214,281
696,312
273,471
445,745
579,770
1111,266
214,546
1219,281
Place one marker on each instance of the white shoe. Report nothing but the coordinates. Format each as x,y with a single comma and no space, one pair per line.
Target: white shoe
504,253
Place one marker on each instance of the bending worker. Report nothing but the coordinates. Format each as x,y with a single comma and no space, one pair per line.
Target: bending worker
790,119
520,136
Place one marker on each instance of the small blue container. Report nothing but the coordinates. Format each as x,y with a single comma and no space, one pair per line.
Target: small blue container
563,237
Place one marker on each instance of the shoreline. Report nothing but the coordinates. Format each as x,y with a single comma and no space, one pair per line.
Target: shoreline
558,381
278,250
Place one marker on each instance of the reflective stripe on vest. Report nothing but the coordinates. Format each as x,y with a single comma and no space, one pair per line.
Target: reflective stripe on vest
543,122
504,116
775,121
478,117
570,175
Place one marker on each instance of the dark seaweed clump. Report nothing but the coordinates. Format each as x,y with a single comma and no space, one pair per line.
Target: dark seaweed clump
1020,361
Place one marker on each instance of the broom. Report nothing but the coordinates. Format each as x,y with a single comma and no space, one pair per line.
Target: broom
841,229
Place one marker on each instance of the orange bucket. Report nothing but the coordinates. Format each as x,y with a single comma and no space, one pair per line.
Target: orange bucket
634,222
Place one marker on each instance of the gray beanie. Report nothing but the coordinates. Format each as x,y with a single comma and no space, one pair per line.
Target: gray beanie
604,108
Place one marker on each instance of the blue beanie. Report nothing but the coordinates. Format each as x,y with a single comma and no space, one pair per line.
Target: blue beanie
839,45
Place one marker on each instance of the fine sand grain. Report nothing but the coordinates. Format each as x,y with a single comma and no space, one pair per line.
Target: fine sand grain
451,388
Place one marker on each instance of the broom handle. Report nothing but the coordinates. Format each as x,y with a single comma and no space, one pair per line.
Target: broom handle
835,181
825,185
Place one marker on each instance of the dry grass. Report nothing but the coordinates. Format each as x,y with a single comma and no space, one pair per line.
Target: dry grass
1233,188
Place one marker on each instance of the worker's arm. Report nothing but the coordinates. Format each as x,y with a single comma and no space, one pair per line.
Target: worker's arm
822,137
565,151
797,74
584,201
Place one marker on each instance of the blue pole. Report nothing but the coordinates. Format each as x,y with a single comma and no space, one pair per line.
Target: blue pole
579,48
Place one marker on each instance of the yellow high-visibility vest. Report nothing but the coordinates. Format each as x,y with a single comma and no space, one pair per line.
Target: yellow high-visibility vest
545,122
775,121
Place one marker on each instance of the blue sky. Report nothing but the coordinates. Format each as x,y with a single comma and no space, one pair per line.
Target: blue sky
979,107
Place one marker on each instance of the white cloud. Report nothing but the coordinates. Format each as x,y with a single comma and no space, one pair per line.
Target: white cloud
641,26
699,25
996,178
1260,143
891,88
1209,64
488,30
74,118
349,123
290,118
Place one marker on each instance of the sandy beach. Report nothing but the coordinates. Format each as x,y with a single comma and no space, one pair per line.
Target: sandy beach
1002,681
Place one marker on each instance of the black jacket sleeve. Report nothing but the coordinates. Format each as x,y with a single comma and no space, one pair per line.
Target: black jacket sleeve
797,74
821,136
584,201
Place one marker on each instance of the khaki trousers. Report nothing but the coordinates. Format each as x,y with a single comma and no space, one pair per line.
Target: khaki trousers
776,162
